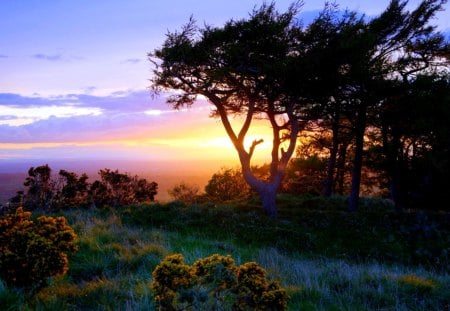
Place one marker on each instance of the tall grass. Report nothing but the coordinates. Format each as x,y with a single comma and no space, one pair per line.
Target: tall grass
119,249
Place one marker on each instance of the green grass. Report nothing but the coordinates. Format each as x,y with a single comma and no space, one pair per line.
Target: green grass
326,258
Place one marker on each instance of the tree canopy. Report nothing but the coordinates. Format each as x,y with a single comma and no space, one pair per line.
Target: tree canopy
344,76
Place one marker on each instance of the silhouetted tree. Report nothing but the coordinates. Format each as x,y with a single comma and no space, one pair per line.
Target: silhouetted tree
415,134
116,189
395,44
40,188
243,68
72,190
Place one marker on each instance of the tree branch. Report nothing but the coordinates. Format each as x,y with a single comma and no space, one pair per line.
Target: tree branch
247,122
253,146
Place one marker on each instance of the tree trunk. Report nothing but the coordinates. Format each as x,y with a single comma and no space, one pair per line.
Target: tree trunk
360,128
328,187
340,174
392,149
268,200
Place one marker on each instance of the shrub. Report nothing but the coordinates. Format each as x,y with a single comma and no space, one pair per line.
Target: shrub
170,277
116,189
184,192
31,252
215,283
227,184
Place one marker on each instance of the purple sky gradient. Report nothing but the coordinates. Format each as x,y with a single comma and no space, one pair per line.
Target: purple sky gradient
74,76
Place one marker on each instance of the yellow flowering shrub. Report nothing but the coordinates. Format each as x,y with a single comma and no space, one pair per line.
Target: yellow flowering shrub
214,283
33,251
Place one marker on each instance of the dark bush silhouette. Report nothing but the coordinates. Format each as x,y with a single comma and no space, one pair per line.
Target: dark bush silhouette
70,190
40,188
184,192
115,189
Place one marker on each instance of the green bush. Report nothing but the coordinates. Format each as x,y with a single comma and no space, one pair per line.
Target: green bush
31,252
215,283
227,184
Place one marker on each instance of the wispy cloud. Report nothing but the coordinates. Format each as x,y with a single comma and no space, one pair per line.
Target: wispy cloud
3,56
54,57
132,61
17,116
90,118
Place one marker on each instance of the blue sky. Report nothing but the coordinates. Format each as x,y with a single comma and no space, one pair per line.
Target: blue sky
74,77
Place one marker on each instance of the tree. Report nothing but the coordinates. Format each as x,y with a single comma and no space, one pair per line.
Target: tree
73,190
115,189
40,188
243,68
415,134
394,45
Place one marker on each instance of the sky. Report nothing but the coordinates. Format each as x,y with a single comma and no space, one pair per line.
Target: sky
74,80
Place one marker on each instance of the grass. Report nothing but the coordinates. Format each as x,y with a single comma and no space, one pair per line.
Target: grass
318,252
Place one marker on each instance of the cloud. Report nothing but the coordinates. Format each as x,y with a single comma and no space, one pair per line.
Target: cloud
55,57
86,118
17,116
132,61
3,56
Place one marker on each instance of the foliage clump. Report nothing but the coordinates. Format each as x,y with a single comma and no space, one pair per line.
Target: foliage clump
69,190
215,283
184,192
227,184
33,251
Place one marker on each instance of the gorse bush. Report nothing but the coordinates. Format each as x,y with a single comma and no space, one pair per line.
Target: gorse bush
33,251
215,283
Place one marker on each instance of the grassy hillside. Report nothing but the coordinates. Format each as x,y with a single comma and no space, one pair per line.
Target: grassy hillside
326,258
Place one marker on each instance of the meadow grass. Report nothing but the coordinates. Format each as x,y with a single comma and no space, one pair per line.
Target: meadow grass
119,249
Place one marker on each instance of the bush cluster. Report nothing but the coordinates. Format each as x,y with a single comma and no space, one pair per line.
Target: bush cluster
33,251
215,283
69,190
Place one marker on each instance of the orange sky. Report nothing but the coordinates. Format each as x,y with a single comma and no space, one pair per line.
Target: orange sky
170,135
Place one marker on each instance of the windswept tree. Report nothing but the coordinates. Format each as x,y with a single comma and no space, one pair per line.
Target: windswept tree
72,190
243,68
396,45
40,188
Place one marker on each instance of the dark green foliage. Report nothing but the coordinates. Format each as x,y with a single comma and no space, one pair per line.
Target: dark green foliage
113,266
215,283
33,251
227,184
305,175
313,225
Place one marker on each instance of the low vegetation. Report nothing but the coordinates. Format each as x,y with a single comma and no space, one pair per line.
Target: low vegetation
324,257
33,251
46,192
214,283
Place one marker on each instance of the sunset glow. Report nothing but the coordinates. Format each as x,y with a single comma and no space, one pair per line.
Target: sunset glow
74,81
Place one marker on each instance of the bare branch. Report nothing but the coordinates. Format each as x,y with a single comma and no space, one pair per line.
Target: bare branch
253,146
